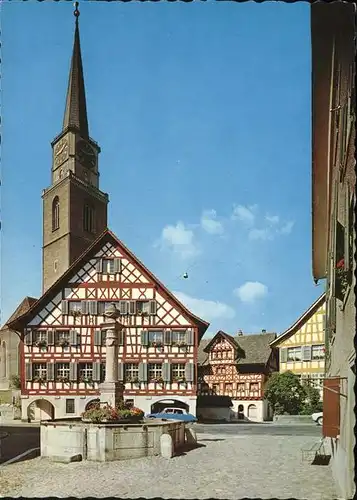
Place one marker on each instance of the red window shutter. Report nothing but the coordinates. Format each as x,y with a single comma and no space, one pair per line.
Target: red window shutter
331,407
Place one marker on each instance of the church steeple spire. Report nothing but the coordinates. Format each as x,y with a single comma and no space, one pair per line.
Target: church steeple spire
75,115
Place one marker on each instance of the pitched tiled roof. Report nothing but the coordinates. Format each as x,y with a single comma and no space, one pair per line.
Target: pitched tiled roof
255,348
21,309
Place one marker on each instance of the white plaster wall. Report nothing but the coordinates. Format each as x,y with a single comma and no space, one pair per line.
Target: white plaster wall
59,403
261,411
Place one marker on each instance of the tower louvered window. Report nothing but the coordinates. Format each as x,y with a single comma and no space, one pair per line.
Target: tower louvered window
88,219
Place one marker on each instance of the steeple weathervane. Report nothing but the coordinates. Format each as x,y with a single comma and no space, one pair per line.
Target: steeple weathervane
75,115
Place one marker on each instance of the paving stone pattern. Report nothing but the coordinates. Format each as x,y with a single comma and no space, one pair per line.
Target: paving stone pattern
225,467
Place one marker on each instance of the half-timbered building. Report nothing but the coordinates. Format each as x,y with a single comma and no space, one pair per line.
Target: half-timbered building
85,269
63,348
237,367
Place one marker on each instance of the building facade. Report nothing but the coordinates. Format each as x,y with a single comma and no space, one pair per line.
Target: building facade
302,346
86,269
333,29
238,367
63,349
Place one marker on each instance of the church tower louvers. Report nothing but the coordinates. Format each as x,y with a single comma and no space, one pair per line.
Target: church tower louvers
74,208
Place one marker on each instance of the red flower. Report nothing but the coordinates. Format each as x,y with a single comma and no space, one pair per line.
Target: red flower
340,264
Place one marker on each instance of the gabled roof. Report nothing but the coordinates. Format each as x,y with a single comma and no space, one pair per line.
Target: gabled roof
300,322
251,349
105,237
21,309
226,336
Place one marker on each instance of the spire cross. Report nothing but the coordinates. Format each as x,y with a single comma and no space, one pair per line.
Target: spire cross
76,11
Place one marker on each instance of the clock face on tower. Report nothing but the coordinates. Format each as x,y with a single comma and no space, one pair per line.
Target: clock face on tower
60,152
86,154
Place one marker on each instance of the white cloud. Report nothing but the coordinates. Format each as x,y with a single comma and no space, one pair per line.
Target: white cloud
260,234
244,214
273,219
287,228
251,291
179,239
210,223
206,309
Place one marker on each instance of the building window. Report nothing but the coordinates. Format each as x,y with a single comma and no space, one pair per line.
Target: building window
215,389
55,265
39,371
102,372
254,386
178,372
62,338
318,352
55,213
88,218
85,372
294,353
179,336
131,373
74,307
70,406
241,387
108,266
143,307
155,371
62,371
156,336
39,336
102,306
228,388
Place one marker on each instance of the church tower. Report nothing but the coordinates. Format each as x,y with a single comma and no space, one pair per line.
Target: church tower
74,208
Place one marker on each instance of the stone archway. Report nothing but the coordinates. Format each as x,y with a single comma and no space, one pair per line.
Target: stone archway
252,412
158,406
92,403
40,409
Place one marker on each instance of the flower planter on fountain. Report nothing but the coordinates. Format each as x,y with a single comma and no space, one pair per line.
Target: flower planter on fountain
109,415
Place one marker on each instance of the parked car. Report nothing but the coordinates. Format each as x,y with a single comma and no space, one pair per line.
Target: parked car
175,414
317,417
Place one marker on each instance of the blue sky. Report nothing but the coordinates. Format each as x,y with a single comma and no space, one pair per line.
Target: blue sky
202,112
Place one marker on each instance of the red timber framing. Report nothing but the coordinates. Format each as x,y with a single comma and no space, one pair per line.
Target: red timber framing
222,377
63,349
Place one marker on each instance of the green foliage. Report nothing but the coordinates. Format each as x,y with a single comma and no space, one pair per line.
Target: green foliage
312,401
15,382
285,393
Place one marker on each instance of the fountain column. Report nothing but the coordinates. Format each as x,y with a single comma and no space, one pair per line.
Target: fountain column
111,390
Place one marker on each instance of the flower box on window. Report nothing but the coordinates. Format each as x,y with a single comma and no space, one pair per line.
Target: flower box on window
65,380
157,380
40,380
63,343
76,312
133,380
155,344
41,343
86,380
180,380
342,276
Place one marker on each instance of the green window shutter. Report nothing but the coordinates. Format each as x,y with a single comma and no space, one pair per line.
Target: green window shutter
96,371
190,372
73,372
283,355
99,266
190,337
166,372
167,337
28,336
132,307
143,372
73,338
50,369
50,337
120,372
93,307
123,307
64,306
117,266
152,307
144,337
306,353
97,338
84,306
121,337
28,371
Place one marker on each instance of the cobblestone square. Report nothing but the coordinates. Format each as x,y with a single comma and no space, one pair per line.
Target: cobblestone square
234,467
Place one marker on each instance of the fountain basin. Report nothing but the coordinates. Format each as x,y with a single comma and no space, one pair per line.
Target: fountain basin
63,439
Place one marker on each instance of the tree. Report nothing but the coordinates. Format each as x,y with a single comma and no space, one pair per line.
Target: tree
285,393
312,401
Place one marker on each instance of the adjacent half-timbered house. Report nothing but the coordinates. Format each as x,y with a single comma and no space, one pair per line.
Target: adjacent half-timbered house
237,367
63,350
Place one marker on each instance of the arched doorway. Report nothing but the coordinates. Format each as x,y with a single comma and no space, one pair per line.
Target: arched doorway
158,406
92,403
252,412
40,409
240,412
